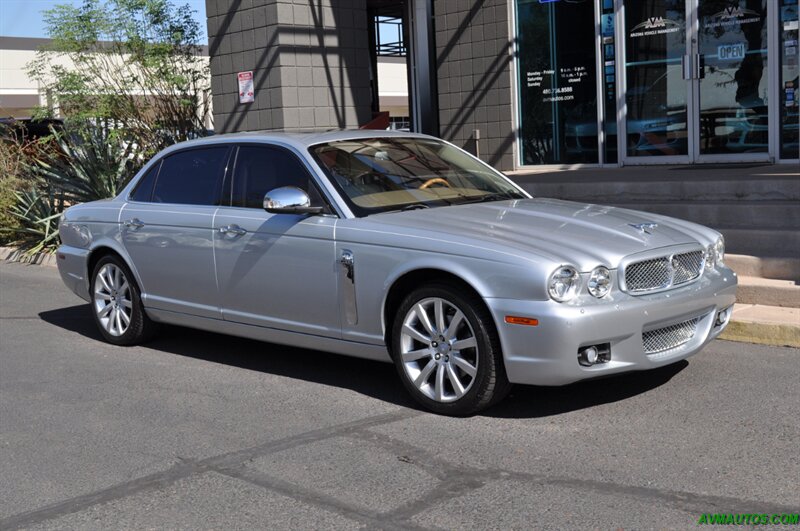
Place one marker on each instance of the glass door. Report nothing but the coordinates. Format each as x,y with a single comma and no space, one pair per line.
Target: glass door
696,81
657,89
730,81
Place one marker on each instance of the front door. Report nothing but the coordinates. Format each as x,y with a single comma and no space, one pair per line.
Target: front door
275,270
696,81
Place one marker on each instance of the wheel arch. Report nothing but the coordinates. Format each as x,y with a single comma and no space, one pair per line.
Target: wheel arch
413,278
106,249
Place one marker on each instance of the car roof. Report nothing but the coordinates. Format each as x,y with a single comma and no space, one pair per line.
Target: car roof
300,140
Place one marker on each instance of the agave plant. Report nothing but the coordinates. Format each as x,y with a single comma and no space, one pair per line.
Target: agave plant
38,214
90,162
83,162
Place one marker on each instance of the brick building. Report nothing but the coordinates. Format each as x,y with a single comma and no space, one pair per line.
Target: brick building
525,83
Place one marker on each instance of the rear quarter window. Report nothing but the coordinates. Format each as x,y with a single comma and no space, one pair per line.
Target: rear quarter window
144,188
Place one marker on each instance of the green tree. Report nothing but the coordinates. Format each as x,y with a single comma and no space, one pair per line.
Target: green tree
134,63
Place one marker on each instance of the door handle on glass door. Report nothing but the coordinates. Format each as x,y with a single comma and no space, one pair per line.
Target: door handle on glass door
700,66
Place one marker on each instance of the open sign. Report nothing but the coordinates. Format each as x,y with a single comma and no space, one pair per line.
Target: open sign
730,52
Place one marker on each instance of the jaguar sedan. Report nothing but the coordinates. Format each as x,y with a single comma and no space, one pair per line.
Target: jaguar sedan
396,247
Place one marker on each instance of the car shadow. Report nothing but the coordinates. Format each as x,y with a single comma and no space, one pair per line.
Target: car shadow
529,401
371,378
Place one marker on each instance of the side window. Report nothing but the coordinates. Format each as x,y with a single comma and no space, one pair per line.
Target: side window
260,169
144,188
191,177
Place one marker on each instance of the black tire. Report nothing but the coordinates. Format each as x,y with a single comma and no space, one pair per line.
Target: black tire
140,328
490,383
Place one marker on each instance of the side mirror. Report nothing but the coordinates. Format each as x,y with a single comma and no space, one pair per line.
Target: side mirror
289,200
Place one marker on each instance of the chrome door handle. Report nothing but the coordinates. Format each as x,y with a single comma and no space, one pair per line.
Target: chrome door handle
232,229
348,262
699,66
134,223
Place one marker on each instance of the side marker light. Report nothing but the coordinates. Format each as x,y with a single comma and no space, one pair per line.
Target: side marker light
513,319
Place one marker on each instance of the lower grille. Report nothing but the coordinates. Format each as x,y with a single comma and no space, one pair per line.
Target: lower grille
669,337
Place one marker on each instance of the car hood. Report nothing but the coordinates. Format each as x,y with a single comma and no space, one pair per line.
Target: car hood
562,231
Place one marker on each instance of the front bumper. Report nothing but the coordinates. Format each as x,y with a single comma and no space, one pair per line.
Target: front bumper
547,354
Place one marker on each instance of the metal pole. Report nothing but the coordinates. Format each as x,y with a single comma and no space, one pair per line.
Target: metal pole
424,94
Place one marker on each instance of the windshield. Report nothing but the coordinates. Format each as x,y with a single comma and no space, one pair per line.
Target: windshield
396,173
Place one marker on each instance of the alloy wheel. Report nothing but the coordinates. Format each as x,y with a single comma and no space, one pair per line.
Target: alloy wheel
112,300
439,350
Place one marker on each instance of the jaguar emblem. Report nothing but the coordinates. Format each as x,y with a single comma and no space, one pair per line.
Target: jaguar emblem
644,228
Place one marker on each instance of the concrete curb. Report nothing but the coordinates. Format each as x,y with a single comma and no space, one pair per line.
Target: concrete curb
777,335
11,254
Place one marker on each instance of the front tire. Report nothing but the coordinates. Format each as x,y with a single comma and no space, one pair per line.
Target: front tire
447,352
117,304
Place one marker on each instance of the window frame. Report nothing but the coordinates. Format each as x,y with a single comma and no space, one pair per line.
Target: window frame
221,179
329,205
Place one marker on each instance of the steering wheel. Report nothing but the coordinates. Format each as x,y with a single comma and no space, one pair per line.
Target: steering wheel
435,180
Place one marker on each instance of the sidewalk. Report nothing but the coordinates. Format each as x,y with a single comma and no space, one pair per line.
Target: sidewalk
704,172
768,325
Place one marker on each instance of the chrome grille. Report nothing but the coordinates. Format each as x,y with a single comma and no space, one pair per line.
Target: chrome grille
663,272
647,275
668,337
687,266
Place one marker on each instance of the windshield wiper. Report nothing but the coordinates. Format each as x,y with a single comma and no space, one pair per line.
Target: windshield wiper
414,206
411,206
494,196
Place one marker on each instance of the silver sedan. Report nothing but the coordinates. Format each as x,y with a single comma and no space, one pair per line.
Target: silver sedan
395,247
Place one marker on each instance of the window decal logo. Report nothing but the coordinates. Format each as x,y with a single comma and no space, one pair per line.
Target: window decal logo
656,26
731,16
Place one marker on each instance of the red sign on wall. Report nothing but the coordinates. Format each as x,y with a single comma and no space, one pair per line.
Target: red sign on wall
246,90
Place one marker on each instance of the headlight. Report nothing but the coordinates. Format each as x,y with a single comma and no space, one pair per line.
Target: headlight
719,250
564,283
600,282
711,257
715,253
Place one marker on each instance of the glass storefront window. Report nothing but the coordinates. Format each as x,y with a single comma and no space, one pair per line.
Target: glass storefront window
699,81
558,82
789,87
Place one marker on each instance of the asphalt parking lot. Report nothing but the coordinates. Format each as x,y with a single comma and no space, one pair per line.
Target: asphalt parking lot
198,430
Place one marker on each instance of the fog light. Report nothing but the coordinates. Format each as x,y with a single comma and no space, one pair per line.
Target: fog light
722,317
592,355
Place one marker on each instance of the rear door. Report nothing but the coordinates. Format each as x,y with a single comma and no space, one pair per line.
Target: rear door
276,270
168,230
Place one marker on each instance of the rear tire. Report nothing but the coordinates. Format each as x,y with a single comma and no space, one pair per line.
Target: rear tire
447,352
117,304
